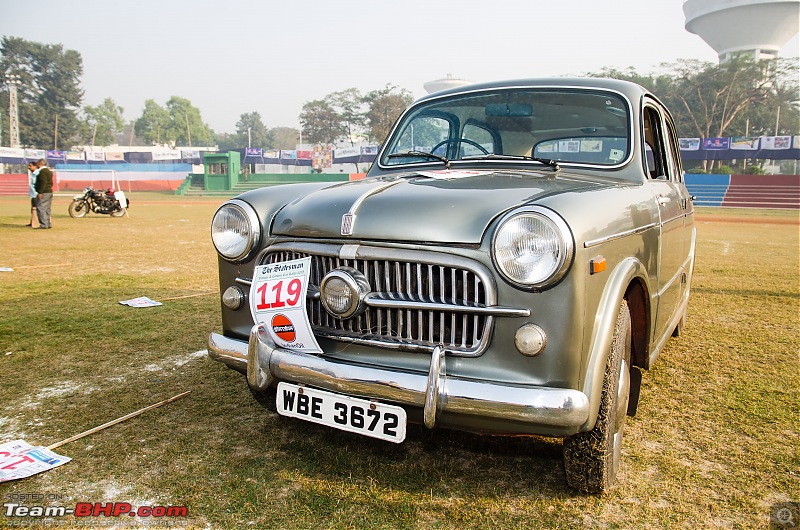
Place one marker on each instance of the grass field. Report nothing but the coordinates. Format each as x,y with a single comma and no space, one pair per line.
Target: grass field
715,443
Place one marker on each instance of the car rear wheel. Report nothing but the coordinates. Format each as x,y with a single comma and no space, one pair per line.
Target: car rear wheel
591,459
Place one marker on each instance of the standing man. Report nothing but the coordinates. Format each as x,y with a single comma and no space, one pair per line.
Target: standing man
34,171
44,194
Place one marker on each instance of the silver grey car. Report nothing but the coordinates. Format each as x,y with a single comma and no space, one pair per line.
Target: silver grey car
516,254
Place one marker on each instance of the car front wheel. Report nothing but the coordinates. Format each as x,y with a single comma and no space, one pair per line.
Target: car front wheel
591,459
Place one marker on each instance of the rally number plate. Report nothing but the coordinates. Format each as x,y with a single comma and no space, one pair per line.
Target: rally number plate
370,418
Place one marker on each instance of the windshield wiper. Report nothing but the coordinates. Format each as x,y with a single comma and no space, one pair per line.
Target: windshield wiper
422,154
494,156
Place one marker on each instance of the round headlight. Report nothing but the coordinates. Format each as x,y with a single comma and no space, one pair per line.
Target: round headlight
342,292
235,230
533,249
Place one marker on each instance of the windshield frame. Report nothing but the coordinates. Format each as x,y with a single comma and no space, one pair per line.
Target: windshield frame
420,106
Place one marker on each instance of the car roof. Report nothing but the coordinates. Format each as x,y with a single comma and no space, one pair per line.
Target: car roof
631,90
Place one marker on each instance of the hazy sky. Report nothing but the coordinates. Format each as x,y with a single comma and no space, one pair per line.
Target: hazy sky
232,57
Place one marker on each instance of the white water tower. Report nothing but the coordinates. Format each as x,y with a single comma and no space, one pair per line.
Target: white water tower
445,83
759,28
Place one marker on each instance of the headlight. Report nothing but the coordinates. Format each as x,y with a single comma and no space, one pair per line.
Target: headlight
235,230
533,248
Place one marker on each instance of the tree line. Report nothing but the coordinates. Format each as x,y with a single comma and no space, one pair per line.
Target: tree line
741,97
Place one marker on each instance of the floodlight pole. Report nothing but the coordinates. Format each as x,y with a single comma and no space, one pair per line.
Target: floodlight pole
13,82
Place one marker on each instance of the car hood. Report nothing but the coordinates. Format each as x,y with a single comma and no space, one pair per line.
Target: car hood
434,207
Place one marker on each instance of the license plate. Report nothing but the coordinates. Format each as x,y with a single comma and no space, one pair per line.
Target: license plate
370,418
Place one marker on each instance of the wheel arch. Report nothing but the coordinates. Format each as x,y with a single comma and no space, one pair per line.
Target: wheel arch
628,281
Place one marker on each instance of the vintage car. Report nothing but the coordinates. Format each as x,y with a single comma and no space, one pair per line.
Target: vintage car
517,252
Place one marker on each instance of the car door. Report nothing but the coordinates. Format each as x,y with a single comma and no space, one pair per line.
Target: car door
663,183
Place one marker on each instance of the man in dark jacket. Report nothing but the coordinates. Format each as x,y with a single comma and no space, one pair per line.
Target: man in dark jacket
44,194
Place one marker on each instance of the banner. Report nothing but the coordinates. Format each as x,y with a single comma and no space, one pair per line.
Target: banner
323,156
304,155
745,143
115,157
190,155
76,155
689,144
164,155
254,151
272,154
288,155
56,155
95,156
34,154
369,150
716,144
12,152
346,152
776,142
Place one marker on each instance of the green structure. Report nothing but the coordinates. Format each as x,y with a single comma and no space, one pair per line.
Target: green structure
221,170
223,175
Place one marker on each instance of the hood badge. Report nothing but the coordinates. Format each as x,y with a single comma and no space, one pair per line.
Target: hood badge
349,219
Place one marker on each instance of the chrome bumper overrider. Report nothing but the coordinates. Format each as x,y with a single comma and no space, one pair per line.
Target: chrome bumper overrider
435,393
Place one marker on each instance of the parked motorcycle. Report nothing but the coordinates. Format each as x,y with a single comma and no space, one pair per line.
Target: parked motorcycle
109,202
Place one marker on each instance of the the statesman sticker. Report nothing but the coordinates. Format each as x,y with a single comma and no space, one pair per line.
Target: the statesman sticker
278,300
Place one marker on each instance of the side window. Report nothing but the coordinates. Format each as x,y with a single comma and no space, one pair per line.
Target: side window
479,135
673,156
655,157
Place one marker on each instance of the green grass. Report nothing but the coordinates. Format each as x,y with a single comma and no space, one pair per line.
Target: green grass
714,445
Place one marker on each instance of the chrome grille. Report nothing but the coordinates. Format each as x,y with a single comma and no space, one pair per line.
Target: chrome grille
456,287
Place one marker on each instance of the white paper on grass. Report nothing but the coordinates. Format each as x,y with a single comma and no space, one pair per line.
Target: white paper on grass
142,301
19,459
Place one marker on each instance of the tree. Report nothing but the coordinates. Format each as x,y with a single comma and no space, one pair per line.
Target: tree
103,122
321,123
152,125
250,128
49,96
186,126
348,106
179,123
284,137
739,97
385,106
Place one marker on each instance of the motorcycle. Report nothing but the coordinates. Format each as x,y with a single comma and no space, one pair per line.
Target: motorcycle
109,202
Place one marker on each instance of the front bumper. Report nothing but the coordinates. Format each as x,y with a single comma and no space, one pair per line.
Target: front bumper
540,410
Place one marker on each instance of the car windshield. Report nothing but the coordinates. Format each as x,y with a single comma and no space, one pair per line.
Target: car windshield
537,126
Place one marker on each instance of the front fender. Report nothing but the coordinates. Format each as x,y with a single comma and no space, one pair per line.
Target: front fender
603,331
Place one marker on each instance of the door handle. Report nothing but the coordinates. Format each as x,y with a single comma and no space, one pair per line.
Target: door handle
663,200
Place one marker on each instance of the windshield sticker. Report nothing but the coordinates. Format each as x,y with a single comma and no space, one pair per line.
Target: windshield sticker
591,146
569,146
445,174
616,155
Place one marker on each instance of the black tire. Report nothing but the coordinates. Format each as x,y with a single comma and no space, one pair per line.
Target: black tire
78,208
118,213
591,459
